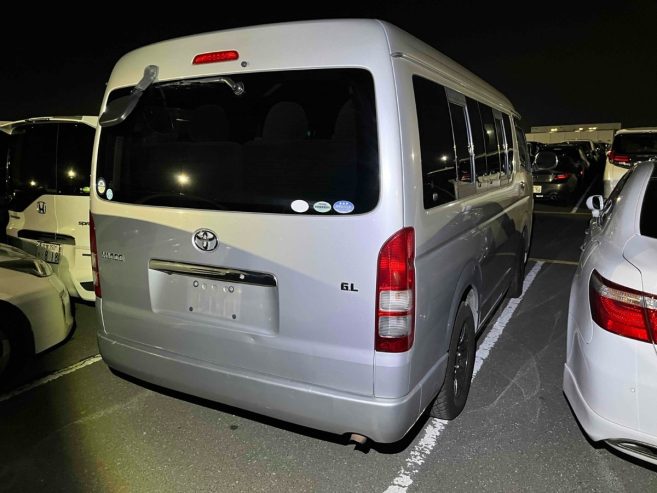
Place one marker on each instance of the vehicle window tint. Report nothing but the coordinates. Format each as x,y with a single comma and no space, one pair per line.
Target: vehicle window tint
74,148
635,143
461,142
478,139
509,143
436,143
523,153
648,225
196,144
31,170
492,142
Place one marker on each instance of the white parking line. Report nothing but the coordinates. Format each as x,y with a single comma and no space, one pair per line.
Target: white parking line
583,195
49,378
434,428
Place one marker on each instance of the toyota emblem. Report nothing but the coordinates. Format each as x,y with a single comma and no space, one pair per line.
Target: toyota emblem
205,240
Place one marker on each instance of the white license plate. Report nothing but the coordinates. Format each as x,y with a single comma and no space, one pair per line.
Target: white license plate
538,189
49,252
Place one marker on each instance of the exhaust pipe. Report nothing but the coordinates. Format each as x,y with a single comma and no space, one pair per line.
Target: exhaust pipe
358,439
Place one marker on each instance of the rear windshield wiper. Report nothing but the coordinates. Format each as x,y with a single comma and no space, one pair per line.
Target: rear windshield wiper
236,87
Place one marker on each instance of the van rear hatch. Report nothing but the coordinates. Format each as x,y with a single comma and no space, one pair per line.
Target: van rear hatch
239,230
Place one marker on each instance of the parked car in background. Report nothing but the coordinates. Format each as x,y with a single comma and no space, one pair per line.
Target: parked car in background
629,146
611,363
48,167
555,177
591,151
35,309
573,151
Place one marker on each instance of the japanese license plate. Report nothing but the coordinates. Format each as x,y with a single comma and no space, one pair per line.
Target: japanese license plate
538,189
48,252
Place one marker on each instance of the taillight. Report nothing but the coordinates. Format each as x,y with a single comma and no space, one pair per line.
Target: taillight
618,158
395,293
561,177
94,256
622,310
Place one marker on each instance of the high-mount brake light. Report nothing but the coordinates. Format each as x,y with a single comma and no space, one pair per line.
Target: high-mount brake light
216,56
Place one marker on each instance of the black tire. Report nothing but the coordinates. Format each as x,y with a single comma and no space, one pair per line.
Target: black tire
460,363
518,279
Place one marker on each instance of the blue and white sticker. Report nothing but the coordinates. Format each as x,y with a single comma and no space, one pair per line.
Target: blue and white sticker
100,186
322,206
109,194
300,206
343,207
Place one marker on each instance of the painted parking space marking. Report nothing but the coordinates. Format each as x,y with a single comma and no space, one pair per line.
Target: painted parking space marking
554,261
52,376
420,453
584,195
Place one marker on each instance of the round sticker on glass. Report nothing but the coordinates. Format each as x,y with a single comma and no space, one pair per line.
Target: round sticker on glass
322,206
100,186
300,206
343,207
109,194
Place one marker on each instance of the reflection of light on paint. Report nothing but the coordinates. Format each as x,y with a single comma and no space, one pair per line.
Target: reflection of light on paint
554,130
489,132
71,173
182,179
33,183
444,158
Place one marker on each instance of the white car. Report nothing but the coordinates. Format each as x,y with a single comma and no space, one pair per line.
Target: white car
629,146
35,309
611,361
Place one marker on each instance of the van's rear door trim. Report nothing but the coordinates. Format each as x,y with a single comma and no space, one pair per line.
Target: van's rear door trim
212,272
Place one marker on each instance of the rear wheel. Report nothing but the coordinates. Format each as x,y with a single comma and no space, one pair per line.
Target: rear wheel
518,279
460,363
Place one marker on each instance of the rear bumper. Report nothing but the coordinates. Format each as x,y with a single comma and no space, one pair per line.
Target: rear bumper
381,420
599,428
74,268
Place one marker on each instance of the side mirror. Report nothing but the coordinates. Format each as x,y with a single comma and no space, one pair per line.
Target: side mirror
595,203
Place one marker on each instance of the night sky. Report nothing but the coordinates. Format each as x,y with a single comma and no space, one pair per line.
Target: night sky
558,62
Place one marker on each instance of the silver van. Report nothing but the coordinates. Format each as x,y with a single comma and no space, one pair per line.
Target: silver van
308,220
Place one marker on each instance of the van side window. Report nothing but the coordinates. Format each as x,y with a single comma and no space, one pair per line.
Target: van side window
492,140
509,143
478,139
461,143
522,148
436,143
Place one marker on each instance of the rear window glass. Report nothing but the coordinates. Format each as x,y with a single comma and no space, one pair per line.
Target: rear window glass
635,143
294,142
649,210
48,158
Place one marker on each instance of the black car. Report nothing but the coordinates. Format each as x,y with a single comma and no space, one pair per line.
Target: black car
556,177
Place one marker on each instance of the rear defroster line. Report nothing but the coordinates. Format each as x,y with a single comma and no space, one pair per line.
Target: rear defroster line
420,453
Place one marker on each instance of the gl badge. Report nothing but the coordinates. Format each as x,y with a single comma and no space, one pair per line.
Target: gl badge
205,240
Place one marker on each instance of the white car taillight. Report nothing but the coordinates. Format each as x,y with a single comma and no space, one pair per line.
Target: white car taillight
395,297
623,311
